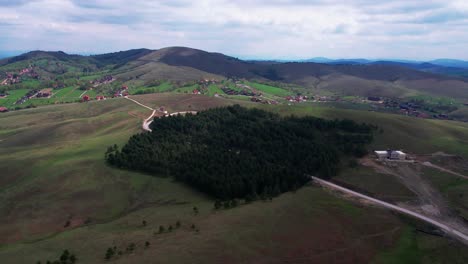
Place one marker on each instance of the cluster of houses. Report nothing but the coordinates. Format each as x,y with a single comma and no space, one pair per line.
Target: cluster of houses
87,98
263,101
390,155
44,93
12,78
104,80
207,81
123,91
297,98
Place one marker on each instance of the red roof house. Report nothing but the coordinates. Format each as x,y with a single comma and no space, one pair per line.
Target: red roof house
85,98
3,109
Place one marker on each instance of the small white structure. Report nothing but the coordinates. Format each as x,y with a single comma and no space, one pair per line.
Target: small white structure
397,155
390,154
381,154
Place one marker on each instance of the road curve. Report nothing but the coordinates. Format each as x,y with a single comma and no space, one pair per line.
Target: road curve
454,233
148,121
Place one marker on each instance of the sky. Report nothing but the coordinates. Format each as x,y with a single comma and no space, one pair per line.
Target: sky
255,29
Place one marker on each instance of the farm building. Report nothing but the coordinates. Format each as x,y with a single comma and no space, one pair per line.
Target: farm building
85,98
3,109
390,154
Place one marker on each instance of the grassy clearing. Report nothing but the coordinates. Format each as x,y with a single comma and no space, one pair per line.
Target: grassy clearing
163,87
91,93
214,89
187,89
13,96
381,186
270,89
62,92
91,77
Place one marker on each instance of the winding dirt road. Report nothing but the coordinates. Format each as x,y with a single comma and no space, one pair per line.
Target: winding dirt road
449,230
148,121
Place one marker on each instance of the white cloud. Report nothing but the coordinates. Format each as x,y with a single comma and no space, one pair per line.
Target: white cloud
278,28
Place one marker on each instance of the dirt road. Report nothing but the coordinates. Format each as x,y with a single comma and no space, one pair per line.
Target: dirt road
449,230
148,121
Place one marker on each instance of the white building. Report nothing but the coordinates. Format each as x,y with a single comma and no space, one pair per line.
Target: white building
390,154
381,154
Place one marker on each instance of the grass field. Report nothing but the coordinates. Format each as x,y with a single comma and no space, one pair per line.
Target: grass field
13,96
269,89
214,89
382,186
163,87
187,89
53,172
62,92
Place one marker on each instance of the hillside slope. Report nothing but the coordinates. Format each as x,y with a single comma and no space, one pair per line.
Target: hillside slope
181,64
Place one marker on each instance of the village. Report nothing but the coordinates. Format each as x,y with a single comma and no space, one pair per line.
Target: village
226,88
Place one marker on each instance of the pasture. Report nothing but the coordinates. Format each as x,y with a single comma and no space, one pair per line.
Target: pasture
57,193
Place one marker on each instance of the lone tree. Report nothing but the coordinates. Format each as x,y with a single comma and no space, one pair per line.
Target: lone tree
147,244
143,222
177,224
64,256
161,229
109,253
170,228
195,210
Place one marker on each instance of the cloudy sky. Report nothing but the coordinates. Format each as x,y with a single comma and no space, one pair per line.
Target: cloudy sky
280,29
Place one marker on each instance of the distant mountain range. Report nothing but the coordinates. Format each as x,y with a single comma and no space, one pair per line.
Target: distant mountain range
439,62
180,64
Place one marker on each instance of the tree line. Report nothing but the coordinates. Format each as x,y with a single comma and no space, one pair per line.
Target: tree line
235,152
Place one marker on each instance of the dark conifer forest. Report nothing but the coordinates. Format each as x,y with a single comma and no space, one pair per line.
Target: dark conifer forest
234,152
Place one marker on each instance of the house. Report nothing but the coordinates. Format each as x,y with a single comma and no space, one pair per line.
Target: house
3,109
390,154
196,91
85,98
100,97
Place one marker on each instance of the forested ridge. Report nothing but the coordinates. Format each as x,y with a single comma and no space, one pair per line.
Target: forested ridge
234,152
